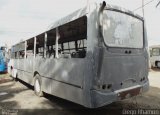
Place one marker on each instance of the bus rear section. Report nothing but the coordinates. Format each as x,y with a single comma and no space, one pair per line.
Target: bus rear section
122,66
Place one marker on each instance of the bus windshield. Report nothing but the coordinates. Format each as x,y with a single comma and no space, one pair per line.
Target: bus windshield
122,30
156,51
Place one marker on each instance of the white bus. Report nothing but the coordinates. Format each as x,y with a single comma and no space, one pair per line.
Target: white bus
94,56
155,56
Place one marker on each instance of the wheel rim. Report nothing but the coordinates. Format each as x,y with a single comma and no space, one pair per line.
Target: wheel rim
37,86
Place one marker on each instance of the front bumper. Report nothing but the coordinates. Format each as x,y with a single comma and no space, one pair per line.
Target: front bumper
103,98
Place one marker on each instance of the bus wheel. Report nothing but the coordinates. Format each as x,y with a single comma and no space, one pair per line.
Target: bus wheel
158,64
15,79
37,86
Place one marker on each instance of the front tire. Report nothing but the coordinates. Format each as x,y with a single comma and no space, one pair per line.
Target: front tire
38,86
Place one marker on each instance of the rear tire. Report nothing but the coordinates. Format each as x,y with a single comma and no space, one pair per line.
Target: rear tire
158,64
15,79
38,86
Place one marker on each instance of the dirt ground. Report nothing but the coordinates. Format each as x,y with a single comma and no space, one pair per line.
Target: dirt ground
20,97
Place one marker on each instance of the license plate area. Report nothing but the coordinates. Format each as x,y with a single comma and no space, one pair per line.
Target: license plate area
129,93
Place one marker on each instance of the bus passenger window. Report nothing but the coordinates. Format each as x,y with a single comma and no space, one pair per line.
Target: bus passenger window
40,42
30,48
64,50
50,44
40,51
16,55
51,52
20,48
81,49
21,54
73,37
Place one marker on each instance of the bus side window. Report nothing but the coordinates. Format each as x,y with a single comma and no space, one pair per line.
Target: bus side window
21,50
81,49
73,36
47,52
155,51
72,39
40,51
30,48
40,40
16,55
50,51
50,44
64,50
21,54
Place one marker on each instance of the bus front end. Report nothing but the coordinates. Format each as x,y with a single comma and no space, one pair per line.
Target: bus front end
122,69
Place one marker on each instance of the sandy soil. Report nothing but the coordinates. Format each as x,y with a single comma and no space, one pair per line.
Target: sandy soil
18,95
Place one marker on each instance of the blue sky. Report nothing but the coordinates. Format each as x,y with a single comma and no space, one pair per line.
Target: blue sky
22,19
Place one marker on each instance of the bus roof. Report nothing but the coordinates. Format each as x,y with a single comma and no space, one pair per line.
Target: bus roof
83,11
75,15
123,10
155,46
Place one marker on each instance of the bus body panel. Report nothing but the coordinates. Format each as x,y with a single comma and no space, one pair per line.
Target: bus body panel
23,69
114,76
70,71
104,97
115,71
63,90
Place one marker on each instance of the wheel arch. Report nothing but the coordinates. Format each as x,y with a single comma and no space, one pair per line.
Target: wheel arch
40,80
15,73
35,73
156,63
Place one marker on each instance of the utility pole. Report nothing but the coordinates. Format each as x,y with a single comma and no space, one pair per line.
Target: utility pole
87,2
158,4
143,7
